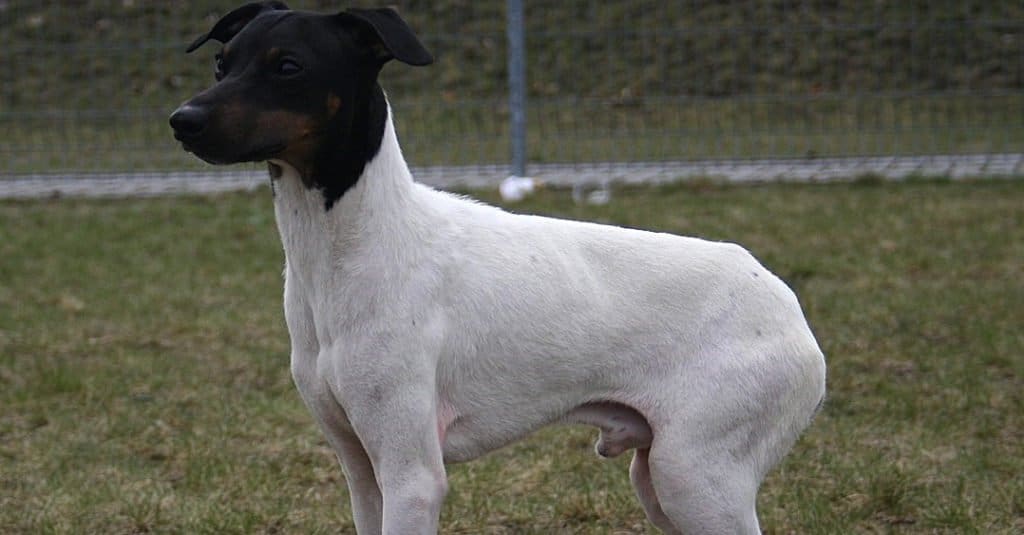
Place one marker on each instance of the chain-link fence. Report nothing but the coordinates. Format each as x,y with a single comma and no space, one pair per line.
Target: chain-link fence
87,85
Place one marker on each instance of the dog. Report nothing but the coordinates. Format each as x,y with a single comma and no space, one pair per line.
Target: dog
427,328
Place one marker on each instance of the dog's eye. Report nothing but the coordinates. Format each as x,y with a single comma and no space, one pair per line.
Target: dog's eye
288,67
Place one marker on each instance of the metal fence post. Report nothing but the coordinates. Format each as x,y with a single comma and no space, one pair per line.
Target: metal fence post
517,85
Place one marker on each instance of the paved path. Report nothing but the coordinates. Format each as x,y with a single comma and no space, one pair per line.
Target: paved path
740,171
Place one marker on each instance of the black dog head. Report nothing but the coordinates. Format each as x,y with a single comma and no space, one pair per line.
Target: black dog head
299,87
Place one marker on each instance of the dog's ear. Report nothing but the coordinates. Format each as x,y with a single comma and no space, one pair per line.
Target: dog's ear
229,25
387,35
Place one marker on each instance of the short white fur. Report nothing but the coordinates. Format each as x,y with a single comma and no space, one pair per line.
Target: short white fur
426,327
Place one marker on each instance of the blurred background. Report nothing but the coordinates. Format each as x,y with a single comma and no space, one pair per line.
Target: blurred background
88,84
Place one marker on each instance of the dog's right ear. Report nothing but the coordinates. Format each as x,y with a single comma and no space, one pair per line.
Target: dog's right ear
387,35
229,25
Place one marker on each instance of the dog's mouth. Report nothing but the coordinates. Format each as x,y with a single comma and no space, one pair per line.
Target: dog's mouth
262,153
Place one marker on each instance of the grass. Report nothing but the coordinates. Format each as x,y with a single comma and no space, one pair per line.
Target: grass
582,131
92,82
144,379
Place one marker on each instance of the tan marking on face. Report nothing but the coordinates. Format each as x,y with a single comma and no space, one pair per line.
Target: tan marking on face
296,131
333,104
285,124
273,54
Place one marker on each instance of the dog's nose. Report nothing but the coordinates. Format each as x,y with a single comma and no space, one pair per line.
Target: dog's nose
189,120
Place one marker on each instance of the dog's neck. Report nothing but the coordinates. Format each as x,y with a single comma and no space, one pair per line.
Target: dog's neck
354,137
375,204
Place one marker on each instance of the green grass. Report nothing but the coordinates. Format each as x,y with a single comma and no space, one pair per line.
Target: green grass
585,130
144,381
92,82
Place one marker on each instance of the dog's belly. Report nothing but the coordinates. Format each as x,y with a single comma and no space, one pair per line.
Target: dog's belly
466,437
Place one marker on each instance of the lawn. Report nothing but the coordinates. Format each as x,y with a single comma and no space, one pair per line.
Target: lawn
144,381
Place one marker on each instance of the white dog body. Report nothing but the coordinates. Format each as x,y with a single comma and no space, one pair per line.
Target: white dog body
427,326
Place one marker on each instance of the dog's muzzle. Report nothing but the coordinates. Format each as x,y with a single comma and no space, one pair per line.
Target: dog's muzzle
196,129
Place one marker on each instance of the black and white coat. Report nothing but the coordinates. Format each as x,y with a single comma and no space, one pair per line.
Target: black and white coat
428,328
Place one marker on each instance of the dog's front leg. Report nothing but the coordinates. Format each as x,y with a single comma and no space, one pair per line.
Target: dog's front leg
364,493
315,392
393,409
362,485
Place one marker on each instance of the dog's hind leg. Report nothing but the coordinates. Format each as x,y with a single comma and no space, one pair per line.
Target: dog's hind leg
707,461
701,492
640,476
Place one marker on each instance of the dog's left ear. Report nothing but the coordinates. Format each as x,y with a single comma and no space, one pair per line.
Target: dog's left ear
229,25
388,36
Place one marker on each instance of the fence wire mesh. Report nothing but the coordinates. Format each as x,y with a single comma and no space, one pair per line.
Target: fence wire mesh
88,85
